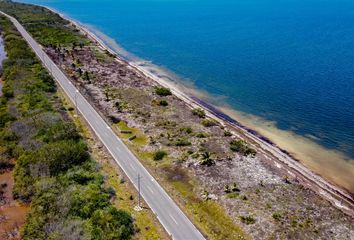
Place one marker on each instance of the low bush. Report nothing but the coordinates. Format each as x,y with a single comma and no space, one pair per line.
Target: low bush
227,134
208,122
277,216
248,220
206,159
187,130
163,103
242,147
46,27
233,195
199,112
162,91
159,155
182,142
53,170
201,135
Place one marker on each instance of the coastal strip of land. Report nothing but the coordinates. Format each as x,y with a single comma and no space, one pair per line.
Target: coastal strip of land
335,194
221,178
170,216
50,186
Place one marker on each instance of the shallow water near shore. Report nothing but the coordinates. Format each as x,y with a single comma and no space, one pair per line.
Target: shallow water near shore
283,68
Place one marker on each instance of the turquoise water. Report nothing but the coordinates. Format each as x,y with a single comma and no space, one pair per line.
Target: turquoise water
288,61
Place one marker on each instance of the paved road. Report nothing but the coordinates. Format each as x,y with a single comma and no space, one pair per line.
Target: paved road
166,210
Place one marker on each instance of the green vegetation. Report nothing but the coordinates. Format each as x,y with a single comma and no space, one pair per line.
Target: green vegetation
206,159
277,216
233,195
181,142
201,135
233,188
53,168
199,112
227,134
187,130
47,28
248,220
208,122
163,103
159,155
242,147
126,132
162,91
209,216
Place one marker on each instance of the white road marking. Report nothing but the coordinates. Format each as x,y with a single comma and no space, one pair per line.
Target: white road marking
131,165
189,228
173,219
150,189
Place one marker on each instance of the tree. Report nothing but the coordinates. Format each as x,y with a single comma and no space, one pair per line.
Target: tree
206,159
88,198
111,224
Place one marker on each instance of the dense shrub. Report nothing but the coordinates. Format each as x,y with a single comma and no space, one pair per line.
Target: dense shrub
163,103
277,216
201,135
199,112
162,91
187,130
59,131
206,159
242,147
120,224
208,122
159,155
248,220
85,199
227,134
53,169
45,26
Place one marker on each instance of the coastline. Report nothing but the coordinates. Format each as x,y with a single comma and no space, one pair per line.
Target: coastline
340,198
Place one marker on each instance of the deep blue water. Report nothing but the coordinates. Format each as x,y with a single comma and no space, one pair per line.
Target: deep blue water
289,61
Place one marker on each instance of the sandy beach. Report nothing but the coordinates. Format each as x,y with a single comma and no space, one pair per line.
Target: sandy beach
338,196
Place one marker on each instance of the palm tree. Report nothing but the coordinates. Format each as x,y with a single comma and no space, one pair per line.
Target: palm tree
206,159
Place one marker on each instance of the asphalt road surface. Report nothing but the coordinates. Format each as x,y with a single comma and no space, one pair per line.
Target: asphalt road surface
169,214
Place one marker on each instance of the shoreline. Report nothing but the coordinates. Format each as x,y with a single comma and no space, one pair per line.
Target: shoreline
339,197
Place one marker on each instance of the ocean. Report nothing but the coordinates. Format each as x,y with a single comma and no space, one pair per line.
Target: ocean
285,67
